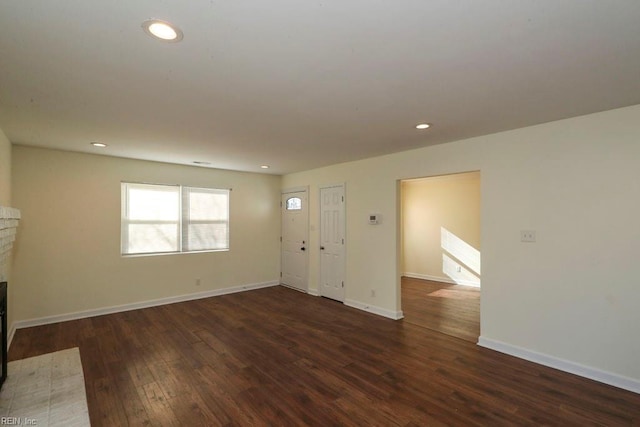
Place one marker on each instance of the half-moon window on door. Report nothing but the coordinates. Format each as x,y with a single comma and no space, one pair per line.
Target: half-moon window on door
294,204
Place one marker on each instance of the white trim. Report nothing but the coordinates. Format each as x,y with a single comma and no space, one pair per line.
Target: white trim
136,305
595,374
441,279
304,291
342,184
395,315
313,292
294,189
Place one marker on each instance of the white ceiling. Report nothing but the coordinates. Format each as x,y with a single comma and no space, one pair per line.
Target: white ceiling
302,84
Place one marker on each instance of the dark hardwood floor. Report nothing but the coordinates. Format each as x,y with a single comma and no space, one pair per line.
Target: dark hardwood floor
451,309
276,356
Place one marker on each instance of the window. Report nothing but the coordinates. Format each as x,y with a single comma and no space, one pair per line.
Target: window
171,218
294,204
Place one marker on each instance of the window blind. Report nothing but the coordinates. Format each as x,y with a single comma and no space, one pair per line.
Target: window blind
171,218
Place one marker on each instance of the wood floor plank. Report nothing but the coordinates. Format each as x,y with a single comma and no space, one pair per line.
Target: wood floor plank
133,408
106,402
156,405
276,356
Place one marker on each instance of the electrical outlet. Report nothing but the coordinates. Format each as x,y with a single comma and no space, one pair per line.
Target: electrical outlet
528,236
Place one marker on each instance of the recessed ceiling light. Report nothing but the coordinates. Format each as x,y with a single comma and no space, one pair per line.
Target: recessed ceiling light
98,144
423,126
197,162
265,166
162,30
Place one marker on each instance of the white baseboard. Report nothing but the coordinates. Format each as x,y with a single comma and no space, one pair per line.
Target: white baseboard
313,292
304,291
135,306
615,380
441,279
428,277
395,315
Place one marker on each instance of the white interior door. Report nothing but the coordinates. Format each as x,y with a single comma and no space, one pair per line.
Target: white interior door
332,244
295,220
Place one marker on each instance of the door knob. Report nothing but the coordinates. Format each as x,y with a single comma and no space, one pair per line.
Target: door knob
303,249
322,248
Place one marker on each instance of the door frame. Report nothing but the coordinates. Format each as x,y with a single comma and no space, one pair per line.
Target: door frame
344,233
284,191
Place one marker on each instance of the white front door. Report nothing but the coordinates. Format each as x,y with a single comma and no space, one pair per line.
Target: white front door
332,244
295,220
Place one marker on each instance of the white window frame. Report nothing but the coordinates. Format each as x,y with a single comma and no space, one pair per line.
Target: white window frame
181,224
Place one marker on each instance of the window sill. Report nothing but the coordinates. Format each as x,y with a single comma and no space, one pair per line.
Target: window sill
171,253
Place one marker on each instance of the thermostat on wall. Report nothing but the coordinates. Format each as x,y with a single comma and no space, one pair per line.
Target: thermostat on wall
374,219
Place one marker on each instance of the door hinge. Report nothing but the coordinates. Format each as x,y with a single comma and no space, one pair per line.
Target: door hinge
281,274
343,283
343,199
343,241
281,238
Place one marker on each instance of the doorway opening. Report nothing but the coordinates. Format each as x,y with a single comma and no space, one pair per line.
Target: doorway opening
440,253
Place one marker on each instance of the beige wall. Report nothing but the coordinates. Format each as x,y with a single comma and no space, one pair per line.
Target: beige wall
67,255
451,202
573,295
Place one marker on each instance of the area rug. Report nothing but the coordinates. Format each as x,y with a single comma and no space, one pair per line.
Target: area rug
46,390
